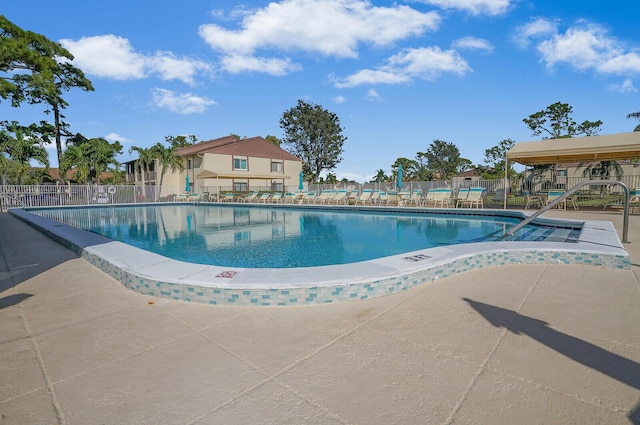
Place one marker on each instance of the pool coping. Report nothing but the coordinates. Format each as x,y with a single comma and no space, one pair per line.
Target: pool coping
156,275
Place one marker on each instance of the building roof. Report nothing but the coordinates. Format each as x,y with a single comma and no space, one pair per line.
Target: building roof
253,146
468,173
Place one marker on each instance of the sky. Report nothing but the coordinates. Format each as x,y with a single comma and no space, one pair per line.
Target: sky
398,74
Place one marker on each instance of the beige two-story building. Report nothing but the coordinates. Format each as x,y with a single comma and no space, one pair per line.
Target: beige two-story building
229,164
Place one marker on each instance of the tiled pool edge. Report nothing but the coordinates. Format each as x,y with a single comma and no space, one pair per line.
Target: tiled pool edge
96,250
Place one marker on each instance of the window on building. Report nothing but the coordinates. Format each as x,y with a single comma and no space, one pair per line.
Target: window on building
189,165
561,173
240,186
239,163
276,167
277,187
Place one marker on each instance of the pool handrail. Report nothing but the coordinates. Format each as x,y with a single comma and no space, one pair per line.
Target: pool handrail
570,192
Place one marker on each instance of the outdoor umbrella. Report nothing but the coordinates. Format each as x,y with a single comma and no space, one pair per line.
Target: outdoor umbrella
186,184
301,183
399,176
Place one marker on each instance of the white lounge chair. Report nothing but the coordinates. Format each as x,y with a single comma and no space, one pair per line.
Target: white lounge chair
474,199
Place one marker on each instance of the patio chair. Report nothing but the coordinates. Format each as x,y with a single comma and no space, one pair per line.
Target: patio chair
414,198
555,194
532,199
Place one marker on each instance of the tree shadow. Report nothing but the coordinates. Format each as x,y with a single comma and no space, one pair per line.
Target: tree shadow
26,252
617,367
11,300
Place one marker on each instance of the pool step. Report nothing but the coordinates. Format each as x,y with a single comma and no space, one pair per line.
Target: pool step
547,235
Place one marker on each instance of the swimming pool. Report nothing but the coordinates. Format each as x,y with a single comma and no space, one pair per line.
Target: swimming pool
264,237
149,273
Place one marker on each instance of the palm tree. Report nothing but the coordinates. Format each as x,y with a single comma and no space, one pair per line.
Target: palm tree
75,157
379,177
101,155
635,115
604,170
145,158
22,150
89,157
168,159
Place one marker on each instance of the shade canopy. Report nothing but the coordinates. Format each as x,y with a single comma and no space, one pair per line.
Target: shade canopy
611,147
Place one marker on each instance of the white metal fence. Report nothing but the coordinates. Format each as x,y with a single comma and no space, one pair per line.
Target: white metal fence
49,195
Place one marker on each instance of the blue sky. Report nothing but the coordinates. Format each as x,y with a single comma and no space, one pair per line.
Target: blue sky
399,74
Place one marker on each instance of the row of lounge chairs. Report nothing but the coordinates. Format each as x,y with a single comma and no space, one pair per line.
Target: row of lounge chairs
443,197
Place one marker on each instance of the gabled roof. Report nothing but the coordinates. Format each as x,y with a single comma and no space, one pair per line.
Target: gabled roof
253,146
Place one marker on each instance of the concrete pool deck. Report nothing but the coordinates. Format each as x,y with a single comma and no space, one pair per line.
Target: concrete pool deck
525,344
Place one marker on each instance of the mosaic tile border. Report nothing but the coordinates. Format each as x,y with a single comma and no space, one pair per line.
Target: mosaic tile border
305,295
460,259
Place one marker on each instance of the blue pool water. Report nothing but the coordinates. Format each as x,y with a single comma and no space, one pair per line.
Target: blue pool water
271,237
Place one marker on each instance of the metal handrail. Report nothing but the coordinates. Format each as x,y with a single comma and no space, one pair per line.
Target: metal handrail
565,195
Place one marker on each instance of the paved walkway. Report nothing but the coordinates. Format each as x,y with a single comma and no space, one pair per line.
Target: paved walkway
531,344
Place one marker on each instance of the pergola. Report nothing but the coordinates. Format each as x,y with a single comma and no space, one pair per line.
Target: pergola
610,147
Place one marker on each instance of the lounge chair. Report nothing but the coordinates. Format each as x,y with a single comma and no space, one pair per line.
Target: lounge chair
326,196
197,197
277,197
252,197
414,198
264,198
309,197
375,197
439,198
463,194
474,199
392,198
228,197
340,197
289,198
364,197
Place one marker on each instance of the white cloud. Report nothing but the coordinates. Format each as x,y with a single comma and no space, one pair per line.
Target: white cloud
537,28
371,77
373,94
113,137
339,99
589,47
426,63
327,27
246,63
472,43
184,104
475,7
626,87
109,56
